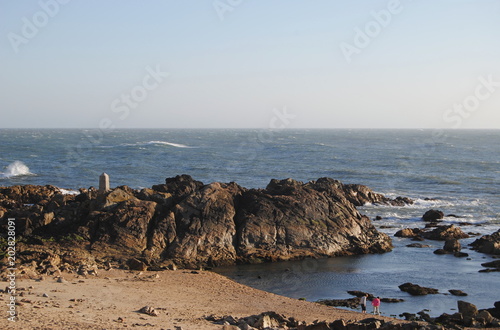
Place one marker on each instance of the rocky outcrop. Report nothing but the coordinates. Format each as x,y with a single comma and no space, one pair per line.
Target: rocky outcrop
188,223
489,244
360,195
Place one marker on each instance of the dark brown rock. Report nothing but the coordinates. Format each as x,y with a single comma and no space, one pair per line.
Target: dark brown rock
452,245
489,244
492,264
418,245
467,309
408,232
443,233
350,302
457,292
191,224
433,215
136,264
417,290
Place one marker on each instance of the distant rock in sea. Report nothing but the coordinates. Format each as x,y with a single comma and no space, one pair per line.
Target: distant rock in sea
187,223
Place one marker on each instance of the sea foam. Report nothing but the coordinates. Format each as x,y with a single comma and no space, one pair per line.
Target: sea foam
14,169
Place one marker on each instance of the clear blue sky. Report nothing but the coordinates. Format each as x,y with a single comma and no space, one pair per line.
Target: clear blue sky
236,63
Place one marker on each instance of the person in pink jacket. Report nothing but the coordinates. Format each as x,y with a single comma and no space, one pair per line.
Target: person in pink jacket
376,305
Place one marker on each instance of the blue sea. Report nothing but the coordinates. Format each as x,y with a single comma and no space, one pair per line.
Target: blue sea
456,171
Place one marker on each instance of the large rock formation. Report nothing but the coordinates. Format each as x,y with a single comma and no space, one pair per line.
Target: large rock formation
192,224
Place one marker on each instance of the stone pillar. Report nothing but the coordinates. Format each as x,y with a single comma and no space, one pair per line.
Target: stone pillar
103,183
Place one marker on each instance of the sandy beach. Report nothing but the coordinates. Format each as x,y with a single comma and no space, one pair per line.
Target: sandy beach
183,299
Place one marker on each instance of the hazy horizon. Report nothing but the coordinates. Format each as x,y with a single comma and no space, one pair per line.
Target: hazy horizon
240,64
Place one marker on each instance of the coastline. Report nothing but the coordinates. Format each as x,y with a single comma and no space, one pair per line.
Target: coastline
183,298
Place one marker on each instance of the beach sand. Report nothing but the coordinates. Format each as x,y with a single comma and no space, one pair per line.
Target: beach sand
183,298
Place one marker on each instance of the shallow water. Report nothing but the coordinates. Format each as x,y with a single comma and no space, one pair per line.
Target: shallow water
379,275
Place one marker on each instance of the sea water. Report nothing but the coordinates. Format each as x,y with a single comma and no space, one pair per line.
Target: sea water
456,171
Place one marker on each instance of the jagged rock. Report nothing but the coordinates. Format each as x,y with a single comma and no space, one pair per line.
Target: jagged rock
417,290
266,321
457,292
360,195
467,309
442,233
489,244
433,215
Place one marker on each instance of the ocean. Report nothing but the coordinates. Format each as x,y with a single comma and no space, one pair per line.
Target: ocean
456,171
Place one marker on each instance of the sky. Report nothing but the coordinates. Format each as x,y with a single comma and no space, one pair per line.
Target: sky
250,64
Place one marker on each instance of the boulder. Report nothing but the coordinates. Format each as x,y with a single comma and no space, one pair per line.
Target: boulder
442,233
452,245
467,309
484,317
433,215
136,264
417,290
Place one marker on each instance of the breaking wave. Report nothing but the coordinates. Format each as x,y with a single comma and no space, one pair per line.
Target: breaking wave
14,169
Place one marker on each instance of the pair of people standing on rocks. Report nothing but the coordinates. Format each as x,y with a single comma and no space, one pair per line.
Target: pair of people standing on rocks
375,304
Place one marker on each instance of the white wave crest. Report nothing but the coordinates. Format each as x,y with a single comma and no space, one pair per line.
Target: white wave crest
14,169
177,145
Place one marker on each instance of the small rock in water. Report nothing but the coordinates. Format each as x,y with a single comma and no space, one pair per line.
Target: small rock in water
457,292
417,290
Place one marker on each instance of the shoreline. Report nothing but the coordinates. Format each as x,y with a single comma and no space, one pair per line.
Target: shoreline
183,298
